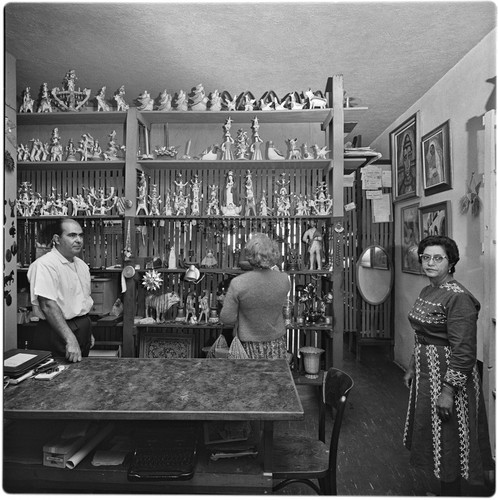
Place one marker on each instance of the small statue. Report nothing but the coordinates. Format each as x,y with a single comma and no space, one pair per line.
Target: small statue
101,104
274,153
85,147
209,260
181,202
146,103
215,101
155,201
70,99
70,151
198,99
283,197
250,204
96,151
313,238
263,206
302,207
98,201
249,103
119,98
295,103
257,142
56,149
320,153
181,103
195,208
113,149
167,210
210,154
165,101
230,104
294,152
241,145
306,154
190,308
27,102
37,150
213,207
315,101
142,195
204,306
45,105
231,206
226,146
322,204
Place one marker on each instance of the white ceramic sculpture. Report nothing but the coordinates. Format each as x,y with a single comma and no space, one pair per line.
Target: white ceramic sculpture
120,101
101,103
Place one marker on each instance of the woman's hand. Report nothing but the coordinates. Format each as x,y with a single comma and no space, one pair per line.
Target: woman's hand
444,405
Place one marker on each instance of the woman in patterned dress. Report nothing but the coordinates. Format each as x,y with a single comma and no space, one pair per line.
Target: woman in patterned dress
446,426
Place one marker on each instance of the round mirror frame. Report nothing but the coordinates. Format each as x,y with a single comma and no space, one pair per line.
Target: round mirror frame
375,301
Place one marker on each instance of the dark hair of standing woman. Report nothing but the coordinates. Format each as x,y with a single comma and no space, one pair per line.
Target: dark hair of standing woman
450,247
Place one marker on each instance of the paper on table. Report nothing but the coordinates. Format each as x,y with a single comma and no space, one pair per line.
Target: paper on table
89,446
17,360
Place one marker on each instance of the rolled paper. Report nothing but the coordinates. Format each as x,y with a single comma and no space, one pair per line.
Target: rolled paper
89,446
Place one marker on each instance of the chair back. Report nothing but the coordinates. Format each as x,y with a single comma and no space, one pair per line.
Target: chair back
336,389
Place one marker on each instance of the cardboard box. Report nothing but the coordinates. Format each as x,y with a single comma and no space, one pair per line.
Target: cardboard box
58,451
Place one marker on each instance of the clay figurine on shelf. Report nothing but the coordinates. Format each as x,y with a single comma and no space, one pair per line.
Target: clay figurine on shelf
27,102
226,146
229,103
283,197
142,195
195,207
36,150
181,201
167,210
294,153
96,151
302,207
181,102
85,147
315,101
230,199
320,153
267,101
313,238
145,102
213,207
120,101
190,308
187,156
245,102
210,154
98,201
214,103
101,102
56,149
113,148
155,201
322,203
161,304
165,101
273,153
295,101
241,145
167,152
204,307
279,106
306,155
257,142
79,206
209,260
45,105
250,204
263,206
70,99
198,100
70,151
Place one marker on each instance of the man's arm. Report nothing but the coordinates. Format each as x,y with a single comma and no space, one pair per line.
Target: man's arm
56,320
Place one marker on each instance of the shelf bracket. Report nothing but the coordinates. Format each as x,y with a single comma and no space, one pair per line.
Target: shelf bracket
328,119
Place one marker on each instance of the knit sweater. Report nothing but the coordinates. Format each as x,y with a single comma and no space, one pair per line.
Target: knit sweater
255,301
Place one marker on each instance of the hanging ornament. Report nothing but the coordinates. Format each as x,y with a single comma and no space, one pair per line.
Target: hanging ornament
471,199
152,280
9,161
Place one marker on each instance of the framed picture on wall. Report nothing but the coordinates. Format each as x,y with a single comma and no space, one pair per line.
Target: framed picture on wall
434,220
410,234
404,153
436,159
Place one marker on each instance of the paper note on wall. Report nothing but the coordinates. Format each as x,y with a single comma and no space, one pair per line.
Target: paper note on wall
381,209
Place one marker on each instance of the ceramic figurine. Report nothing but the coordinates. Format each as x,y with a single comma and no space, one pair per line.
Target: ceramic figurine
70,99
165,101
267,101
36,150
121,203
195,208
101,104
246,102
24,200
98,201
263,206
294,152
70,151
142,195
146,102
56,149
313,238
204,307
22,152
45,105
209,260
79,206
187,156
279,106
155,201
294,103
181,201
214,101
315,101
119,98
113,149
230,206
266,106
190,308
322,203
85,147
226,146
211,153
168,152
27,102
283,198
198,99
231,105
273,153
213,207
241,145
181,103
302,207
257,142
96,151
306,154
167,210
320,153
250,204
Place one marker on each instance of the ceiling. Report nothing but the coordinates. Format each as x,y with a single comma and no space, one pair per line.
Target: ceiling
390,53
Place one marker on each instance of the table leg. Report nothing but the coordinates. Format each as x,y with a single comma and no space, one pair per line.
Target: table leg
267,446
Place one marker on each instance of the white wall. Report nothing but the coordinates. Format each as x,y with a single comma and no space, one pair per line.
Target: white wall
462,96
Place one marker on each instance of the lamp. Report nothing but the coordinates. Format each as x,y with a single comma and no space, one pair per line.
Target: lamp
193,275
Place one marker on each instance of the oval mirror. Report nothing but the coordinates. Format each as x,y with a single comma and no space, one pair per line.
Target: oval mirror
374,275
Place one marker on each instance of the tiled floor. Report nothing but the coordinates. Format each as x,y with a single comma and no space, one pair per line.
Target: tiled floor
372,459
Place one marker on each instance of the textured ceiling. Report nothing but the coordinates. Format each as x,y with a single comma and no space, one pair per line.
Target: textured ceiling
389,53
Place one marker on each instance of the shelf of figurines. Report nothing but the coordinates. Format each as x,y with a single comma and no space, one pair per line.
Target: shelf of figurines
83,117
237,164
74,165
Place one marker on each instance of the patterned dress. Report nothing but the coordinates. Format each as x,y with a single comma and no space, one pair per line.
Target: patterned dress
445,321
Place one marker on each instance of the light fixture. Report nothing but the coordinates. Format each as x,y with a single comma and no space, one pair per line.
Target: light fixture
193,275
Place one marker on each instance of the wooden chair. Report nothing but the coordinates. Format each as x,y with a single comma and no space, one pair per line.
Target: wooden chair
299,459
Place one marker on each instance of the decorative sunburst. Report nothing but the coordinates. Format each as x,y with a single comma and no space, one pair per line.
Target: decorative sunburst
152,280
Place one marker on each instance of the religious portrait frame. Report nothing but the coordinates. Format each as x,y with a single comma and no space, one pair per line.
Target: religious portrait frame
404,140
435,219
436,159
410,238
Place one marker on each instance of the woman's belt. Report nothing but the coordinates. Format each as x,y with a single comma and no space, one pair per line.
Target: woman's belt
430,340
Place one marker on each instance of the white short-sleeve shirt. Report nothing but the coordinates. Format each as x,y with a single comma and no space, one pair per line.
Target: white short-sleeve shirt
68,283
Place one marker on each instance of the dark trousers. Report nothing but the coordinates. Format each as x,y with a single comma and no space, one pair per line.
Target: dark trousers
46,339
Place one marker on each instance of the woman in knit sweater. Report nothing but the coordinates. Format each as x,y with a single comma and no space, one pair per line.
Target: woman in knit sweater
254,301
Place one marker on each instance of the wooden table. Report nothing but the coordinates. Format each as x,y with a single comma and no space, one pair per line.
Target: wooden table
163,389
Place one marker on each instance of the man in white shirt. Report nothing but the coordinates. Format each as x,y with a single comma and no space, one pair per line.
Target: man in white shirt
60,287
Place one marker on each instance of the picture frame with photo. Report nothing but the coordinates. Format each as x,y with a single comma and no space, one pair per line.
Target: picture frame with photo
436,159
410,238
435,219
404,142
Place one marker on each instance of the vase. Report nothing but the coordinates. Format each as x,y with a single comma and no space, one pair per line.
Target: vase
311,357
